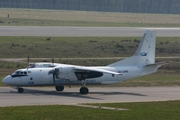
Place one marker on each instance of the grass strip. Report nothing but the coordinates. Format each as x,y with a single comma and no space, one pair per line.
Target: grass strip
167,110
80,47
29,17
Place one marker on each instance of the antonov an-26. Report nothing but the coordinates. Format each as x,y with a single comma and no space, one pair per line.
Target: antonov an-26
58,75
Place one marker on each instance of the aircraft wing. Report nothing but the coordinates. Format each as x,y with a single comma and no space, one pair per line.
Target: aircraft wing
83,73
86,69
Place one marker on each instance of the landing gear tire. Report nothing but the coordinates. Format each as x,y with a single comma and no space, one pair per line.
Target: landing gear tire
84,90
20,90
59,88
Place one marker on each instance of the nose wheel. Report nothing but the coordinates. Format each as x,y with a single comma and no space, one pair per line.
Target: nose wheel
20,90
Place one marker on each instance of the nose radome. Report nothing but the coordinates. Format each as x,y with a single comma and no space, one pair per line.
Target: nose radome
7,80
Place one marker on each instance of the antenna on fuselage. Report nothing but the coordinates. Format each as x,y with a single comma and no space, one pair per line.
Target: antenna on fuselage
53,61
28,61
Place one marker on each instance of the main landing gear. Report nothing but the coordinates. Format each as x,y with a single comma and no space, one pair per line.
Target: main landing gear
59,88
84,89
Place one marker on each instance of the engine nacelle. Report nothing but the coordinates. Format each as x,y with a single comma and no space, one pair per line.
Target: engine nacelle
65,73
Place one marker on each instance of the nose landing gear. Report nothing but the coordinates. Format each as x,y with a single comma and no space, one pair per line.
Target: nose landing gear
20,90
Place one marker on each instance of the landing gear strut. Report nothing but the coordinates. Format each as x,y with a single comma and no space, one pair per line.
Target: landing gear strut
20,90
84,89
59,88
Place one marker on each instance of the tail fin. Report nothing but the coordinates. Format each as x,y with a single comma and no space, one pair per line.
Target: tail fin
145,53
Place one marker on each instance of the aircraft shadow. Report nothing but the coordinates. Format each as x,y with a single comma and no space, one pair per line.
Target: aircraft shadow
56,93
73,94
117,93
77,94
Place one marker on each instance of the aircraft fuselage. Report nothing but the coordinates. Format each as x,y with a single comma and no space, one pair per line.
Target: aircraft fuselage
42,77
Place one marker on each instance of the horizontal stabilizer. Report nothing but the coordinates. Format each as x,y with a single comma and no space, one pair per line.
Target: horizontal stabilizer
158,63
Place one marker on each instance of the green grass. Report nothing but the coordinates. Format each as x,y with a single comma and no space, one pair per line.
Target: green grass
29,17
160,78
32,22
78,47
168,110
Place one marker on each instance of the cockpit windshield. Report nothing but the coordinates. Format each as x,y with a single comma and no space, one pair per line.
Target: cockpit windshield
19,73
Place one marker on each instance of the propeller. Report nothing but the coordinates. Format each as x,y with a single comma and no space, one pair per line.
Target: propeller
55,73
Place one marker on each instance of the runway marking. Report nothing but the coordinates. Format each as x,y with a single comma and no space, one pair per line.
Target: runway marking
98,107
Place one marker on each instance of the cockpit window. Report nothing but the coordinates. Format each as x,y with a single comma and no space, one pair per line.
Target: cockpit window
19,73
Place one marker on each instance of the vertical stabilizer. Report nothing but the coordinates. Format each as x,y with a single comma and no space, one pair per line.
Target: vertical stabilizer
145,53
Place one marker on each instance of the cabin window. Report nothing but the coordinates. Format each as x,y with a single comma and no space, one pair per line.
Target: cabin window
32,66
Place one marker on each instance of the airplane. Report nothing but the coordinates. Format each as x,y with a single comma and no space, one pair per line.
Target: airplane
55,74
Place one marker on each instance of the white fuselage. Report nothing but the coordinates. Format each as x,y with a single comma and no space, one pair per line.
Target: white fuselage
42,77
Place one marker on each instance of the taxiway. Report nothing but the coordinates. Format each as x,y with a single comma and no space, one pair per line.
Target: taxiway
71,96
84,31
